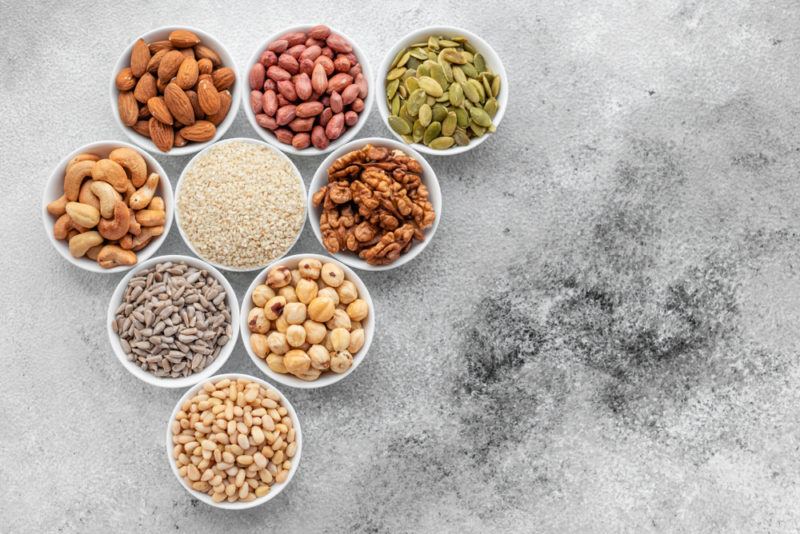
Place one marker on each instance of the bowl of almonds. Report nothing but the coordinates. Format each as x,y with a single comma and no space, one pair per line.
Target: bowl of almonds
174,90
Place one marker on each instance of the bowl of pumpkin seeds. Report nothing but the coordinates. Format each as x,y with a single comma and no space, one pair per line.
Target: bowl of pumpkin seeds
444,90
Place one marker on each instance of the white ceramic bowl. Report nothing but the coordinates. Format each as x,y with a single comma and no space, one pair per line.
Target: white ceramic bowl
492,60
55,188
227,61
329,377
428,178
178,193
276,489
266,135
141,374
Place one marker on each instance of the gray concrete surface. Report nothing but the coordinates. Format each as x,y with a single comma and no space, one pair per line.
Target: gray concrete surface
602,337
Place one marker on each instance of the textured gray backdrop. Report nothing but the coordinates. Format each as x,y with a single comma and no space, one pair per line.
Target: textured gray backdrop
602,336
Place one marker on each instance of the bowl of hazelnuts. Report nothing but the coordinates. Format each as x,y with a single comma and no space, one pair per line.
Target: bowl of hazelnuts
307,321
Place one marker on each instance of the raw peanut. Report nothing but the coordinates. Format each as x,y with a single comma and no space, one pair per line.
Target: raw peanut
155,61
302,125
349,94
203,52
83,214
319,79
307,67
338,43
284,135
223,78
125,81
311,52
277,73
318,138
128,109
327,52
208,96
325,116
111,256
142,197
281,100
183,39
145,88
158,109
314,42
350,118
327,65
338,82
319,32
286,88
335,126
179,104
204,66
256,101
200,131
107,197
309,109
140,56
363,86
257,75
265,121
132,162
225,100
58,207
161,134
117,227
341,63
354,71
112,172
285,114
169,65
187,74
270,85
294,38
148,217
79,244
301,141
302,86
278,46
336,102
288,63
270,103
357,105
268,58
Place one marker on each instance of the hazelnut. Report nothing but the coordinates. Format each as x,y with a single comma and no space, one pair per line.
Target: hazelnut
306,290
340,319
297,361
279,276
288,293
356,340
321,309
261,294
340,339
274,307
347,292
257,322
320,357
258,342
281,325
310,375
332,274
310,268
357,310
315,332
277,343
341,361
275,362
296,276
296,335
330,293
295,313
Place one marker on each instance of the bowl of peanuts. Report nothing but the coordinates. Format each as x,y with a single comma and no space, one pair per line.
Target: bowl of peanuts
234,441
307,321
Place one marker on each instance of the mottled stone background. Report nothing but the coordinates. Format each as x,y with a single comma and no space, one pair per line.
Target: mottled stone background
602,337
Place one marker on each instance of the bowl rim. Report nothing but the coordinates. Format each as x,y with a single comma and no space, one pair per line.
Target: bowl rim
165,189
429,178
287,379
145,143
180,183
347,136
493,58
192,379
279,486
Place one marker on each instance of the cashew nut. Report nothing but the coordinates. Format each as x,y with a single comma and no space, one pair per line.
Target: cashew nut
72,233
62,226
85,195
142,197
150,217
156,204
83,214
135,228
93,252
74,177
112,172
133,162
107,196
143,239
117,227
58,207
79,244
82,157
112,256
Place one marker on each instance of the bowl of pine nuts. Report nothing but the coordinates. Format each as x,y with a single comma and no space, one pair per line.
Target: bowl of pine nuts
234,441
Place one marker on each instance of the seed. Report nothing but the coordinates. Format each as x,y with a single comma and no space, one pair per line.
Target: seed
456,94
461,138
395,73
470,92
441,143
480,64
490,107
430,86
449,124
391,88
399,125
439,113
425,115
480,117
432,132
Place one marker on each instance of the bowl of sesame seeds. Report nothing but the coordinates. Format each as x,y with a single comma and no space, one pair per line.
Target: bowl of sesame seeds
240,204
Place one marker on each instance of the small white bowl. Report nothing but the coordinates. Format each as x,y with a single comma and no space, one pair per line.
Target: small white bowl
320,179
266,135
141,374
55,188
178,193
227,61
329,377
492,60
276,488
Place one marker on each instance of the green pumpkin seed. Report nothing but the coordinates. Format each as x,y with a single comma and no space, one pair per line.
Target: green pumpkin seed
417,131
458,75
492,128
468,46
396,105
433,42
391,89
408,139
419,53
441,143
425,115
430,101
448,70
411,85
404,114
439,112
480,117
456,94
461,138
395,73
402,91
487,87
459,39
415,101
437,73
469,56
491,106
423,70
430,86
454,56
397,58
496,86
412,63
447,43
470,91
479,63
462,117
476,129
432,132
399,125
478,87
404,59
469,70
449,124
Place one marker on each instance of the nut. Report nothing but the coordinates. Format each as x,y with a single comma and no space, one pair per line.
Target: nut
295,313
279,276
277,343
274,307
117,227
320,357
297,361
261,294
79,244
358,310
83,214
257,321
315,332
310,268
296,335
321,309
341,361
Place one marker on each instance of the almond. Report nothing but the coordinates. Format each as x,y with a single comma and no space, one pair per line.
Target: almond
142,128
180,141
169,65
208,96
158,108
157,46
223,78
198,113
204,66
179,104
161,134
140,56
187,73
188,52
155,60
125,81
145,88
128,109
200,131
204,52
144,112
224,106
183,39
